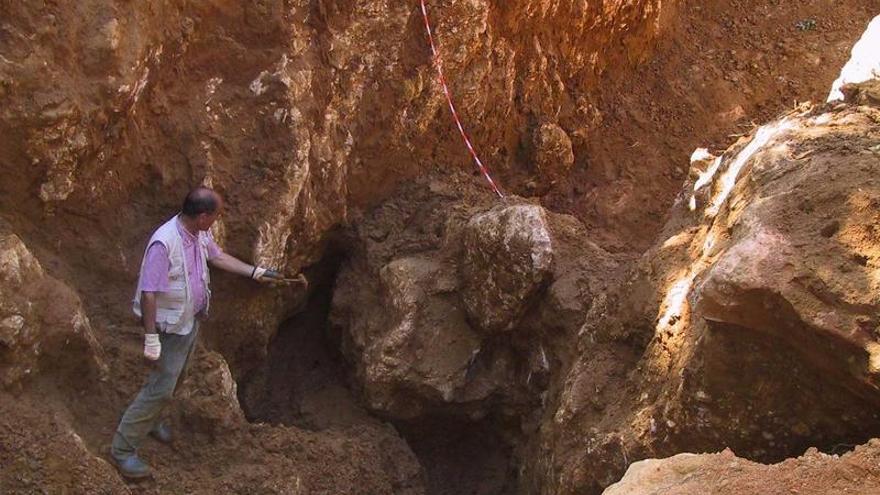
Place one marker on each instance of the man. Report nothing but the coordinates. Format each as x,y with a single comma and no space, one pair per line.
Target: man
173,294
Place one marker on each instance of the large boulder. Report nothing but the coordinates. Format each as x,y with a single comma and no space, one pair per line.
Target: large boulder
398,357
451,304
43,327
751,324
507,259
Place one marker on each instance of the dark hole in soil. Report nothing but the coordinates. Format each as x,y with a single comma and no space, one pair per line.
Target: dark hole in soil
304,383
461,457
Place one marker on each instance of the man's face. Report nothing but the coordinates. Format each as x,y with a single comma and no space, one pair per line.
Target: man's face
205,220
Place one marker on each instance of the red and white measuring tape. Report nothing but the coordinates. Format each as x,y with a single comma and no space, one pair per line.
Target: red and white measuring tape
464,135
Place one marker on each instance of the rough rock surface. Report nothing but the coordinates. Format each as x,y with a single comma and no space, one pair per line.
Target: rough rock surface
305,113
814,473
420,307
43,327
750,325
506,259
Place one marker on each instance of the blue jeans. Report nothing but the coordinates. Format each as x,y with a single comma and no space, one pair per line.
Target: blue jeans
143,413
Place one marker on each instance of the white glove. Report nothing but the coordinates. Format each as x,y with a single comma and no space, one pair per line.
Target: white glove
152,346
258,272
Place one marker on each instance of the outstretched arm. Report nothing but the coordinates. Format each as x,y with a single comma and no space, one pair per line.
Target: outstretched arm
232,264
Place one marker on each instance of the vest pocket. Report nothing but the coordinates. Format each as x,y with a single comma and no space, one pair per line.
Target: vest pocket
168,319
175,273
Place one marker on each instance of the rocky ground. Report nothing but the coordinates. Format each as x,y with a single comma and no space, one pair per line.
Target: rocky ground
724,473
619,304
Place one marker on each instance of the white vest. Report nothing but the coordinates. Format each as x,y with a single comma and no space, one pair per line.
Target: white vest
174,309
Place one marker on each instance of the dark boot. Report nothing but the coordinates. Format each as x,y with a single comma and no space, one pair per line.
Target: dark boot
132,467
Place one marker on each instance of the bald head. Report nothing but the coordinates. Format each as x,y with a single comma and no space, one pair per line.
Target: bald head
201,200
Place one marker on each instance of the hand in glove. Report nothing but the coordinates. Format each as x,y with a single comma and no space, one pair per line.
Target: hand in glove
152,346
261,274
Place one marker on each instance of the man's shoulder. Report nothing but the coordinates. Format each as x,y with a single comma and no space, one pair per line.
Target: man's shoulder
156,244
164,233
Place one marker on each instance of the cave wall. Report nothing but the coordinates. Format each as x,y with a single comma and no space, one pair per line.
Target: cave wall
297,112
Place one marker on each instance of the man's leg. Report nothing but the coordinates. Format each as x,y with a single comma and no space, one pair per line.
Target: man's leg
143,412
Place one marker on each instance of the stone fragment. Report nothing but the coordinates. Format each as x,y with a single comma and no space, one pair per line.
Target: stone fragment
553,154
508,256
209,395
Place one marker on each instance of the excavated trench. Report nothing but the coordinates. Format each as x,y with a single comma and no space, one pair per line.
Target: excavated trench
750,391
305,383
301,114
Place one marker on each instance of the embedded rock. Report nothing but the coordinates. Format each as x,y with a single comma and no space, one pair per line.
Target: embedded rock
507,260
399,315
43,327
866,93
209,395
399,358
553,155
426,272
